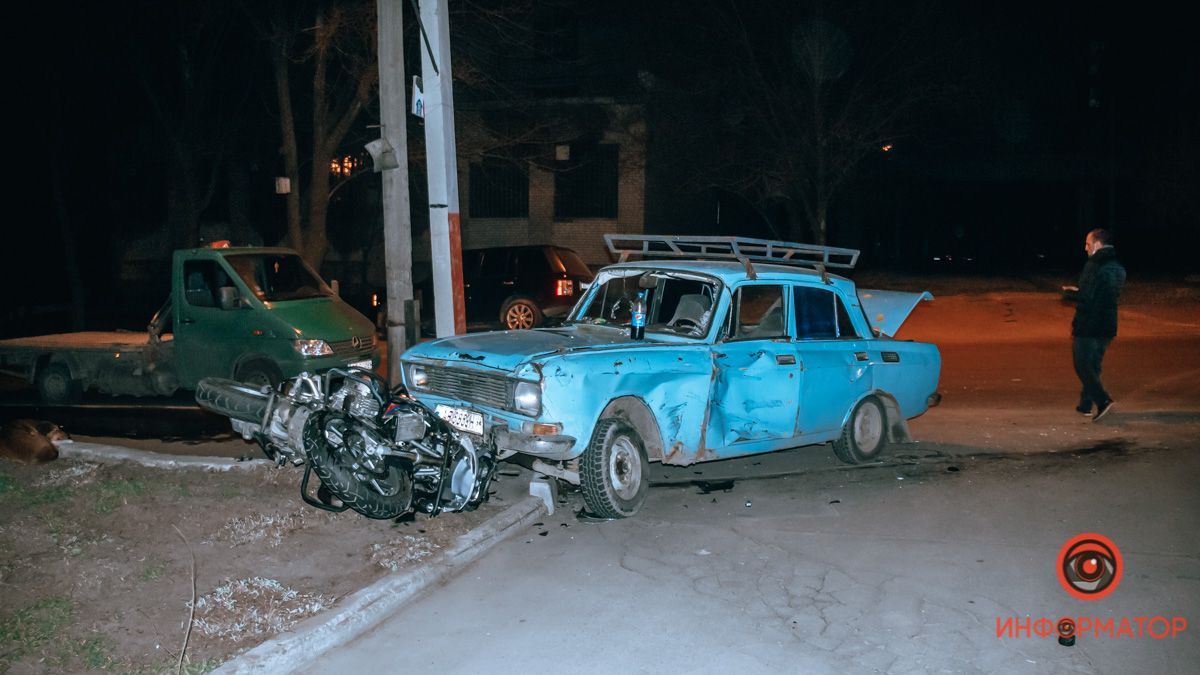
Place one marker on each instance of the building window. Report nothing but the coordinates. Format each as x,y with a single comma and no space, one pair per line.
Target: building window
585,184
499,189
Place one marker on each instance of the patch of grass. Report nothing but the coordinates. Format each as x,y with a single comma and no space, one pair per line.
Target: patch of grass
31,496
153,569
31,628
96,653
112,493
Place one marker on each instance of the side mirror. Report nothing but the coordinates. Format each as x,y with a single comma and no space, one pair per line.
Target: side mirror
229,298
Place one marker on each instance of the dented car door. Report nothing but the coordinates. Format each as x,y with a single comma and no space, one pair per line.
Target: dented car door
756,376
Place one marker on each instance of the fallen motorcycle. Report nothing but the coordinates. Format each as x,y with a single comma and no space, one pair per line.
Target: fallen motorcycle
375,450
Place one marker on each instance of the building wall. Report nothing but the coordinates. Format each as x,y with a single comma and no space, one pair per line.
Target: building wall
583,235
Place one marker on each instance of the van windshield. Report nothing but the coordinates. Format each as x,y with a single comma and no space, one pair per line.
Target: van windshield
273,277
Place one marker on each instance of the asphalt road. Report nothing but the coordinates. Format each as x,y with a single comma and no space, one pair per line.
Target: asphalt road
908,566
905,567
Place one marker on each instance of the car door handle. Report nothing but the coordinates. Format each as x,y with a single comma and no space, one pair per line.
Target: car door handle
187,321
785,359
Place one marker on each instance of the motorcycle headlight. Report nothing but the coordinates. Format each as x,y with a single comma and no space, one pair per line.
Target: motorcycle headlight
417,377
313,348
527,398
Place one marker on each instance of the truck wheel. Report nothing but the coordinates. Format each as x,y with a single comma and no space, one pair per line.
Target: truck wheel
614,471
259,373
865,434
232,399
55,384
520,314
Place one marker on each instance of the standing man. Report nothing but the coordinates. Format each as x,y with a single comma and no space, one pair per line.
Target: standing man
1095,323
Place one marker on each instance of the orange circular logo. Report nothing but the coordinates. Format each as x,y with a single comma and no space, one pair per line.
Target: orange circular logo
1090,566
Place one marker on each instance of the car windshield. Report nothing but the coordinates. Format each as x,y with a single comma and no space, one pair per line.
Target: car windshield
678,304
277,276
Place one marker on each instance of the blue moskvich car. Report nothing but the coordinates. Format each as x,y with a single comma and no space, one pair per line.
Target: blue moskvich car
749,346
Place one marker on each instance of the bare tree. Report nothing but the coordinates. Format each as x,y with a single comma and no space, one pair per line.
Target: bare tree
323,55
791,100
194,101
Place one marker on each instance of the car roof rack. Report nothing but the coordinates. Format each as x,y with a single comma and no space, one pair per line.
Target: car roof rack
743,249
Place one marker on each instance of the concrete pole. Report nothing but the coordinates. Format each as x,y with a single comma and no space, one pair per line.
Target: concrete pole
397,219
445,236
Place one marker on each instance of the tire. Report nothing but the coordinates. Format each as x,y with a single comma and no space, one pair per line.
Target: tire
337,473
864,437
55,384
232,399
614,472
259,373
520,314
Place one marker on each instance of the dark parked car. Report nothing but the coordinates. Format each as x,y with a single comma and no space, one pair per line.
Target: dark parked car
519,286
522,286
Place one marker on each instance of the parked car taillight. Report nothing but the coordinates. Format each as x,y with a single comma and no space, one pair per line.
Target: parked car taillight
564,287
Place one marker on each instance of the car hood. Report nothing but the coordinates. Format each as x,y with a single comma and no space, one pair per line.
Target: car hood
509,349
887,310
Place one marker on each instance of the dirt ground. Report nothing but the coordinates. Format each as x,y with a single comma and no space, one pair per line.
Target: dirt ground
99,562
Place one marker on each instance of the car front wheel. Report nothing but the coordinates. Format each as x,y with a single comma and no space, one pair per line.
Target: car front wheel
865,435
614,471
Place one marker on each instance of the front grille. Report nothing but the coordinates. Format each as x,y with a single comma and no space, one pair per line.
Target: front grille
469,385
345,348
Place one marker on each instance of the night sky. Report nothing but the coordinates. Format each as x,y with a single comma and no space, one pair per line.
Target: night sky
1065,115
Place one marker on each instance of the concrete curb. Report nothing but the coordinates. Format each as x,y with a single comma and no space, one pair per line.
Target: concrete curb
97,452
364,609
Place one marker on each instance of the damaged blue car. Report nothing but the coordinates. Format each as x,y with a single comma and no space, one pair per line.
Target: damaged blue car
703,348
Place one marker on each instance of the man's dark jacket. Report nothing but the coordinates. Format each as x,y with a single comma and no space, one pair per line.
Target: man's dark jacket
1099,289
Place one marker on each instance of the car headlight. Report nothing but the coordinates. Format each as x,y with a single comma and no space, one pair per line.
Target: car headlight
313,348
417,377
527,398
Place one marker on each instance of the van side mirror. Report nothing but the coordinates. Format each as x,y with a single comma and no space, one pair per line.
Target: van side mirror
229,297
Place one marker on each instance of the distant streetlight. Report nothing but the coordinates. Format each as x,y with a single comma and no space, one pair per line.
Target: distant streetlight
887,147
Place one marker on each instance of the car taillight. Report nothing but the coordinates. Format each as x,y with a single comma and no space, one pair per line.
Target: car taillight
564,287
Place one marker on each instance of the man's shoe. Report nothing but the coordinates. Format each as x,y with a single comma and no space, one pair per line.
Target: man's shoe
1102,410
1084,410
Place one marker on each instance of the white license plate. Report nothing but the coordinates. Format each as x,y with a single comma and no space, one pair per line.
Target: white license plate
361,364
461,419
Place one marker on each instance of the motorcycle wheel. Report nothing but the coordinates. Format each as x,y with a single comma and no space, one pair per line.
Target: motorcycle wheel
335,468
232,399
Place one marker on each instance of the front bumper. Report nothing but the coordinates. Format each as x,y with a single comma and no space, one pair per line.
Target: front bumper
548,447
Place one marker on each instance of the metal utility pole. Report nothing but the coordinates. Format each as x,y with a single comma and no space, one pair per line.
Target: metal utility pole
445,236
397,220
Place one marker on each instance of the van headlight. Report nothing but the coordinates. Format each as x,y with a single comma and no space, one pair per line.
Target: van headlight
527,398
417,377
313,348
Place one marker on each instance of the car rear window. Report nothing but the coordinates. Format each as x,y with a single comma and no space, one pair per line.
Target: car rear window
564,259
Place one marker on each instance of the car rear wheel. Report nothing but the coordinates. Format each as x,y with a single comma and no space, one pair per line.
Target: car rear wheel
613,471
865,435
520,314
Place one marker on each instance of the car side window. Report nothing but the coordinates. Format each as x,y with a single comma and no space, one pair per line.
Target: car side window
820,314
201,279
759,313
470,265
495,264
531,264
